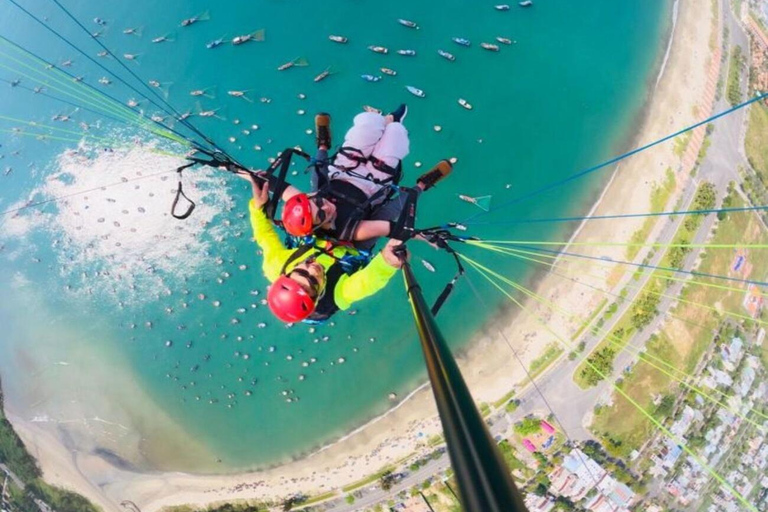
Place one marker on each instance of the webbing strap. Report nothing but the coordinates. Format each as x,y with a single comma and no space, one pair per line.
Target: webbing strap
179,194
278,183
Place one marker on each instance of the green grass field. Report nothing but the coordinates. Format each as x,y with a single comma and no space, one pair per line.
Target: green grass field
755,143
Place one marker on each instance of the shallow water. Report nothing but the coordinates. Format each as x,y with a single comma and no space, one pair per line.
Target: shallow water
560,99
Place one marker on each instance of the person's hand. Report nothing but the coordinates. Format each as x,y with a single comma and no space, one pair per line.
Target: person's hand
260,190
389,255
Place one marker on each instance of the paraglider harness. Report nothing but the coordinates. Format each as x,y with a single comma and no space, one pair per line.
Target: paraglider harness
402,229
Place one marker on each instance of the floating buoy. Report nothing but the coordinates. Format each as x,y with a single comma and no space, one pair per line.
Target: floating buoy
438,128
417,164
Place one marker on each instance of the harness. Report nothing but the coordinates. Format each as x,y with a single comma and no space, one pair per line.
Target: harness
393,173
365,207
348,264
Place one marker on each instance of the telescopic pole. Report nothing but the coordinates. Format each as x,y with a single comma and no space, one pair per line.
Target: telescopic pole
485,482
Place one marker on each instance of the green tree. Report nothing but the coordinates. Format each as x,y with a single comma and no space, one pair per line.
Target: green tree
529,425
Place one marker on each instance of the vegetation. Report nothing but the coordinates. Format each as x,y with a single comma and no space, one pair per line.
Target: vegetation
734,77
600,365
659,199
541,363
387,480
755,145
596,311
14,455
513,463
645,309
366,481
527,426
683,340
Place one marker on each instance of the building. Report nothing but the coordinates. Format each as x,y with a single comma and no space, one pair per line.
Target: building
578,475
536,503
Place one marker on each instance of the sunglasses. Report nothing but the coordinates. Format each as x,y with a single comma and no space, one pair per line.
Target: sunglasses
312,280
321,215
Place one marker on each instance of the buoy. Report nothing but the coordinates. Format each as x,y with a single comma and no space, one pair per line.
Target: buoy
438,128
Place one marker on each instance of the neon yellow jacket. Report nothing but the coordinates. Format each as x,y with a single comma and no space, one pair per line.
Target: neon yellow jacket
349,289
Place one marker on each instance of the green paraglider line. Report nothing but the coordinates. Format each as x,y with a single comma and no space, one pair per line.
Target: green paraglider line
642,410
615,341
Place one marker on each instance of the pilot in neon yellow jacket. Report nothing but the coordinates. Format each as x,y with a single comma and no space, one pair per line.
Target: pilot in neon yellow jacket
320,267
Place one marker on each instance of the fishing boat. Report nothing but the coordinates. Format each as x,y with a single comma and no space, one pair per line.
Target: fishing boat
461,41
255,36
323,75
446,55
378,49
490,47
501,7
370,78
415,91
387,71
408,23
215,43
299,62
464,103
503,40
526,3
338,39
407,53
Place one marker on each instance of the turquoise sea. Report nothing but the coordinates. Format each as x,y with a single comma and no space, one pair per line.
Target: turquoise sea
565,96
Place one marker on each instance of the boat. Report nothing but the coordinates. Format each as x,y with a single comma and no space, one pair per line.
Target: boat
415,91
526,3
338,39
446,55
407,53
408,23
298,62
501,7
461,41
378,49
255,36
490,47
503,40
464,103
387,71
323,75
370,78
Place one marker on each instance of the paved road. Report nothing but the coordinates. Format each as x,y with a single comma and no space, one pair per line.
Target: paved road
13,476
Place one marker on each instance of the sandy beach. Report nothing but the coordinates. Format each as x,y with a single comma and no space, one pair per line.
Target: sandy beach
675,99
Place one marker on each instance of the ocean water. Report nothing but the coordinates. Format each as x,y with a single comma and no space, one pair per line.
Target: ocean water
87,287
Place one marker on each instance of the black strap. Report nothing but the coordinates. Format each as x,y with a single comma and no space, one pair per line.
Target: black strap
354,154
402,228
278,183
179,194
298,253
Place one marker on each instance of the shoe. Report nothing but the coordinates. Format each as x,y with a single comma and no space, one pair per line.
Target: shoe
323,130
430,178
398,115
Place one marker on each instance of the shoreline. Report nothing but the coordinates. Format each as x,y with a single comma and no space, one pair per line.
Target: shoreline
479,358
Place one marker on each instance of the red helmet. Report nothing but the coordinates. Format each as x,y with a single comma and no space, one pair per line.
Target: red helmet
297,215
289,301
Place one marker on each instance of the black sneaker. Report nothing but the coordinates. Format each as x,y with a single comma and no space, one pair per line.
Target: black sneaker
323,130
430,178
398,115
